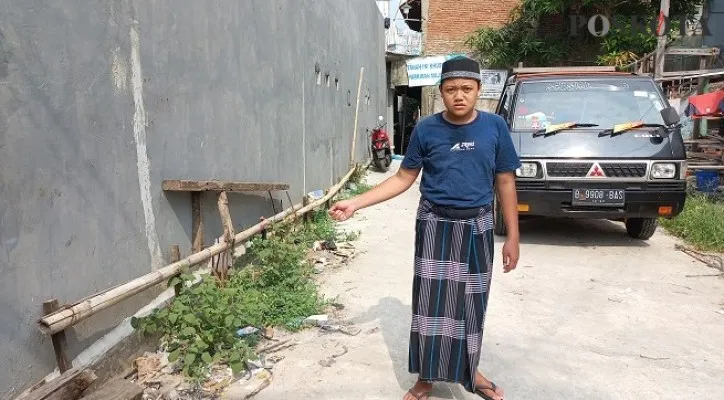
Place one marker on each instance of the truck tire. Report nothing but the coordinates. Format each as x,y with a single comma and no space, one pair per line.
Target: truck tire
498,221
641,228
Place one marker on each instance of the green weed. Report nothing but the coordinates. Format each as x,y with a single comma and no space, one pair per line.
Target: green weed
271,285
701,224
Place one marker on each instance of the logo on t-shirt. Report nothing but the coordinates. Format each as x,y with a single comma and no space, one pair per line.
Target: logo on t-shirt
463,146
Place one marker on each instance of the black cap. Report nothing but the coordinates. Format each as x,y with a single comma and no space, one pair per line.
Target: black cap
460,67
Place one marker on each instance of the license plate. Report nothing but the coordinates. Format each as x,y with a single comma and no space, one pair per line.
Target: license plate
599,197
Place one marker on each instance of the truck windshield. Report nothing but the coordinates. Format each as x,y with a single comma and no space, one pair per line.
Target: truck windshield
605,102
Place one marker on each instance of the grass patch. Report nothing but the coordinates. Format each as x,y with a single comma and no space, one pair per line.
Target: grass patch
701,224
271,285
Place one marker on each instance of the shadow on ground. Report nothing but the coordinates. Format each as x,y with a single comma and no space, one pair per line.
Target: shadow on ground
575,233
394,318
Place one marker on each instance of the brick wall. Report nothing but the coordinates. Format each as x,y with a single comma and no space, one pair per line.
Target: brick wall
449,22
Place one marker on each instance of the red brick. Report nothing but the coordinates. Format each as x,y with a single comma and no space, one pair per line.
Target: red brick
450,22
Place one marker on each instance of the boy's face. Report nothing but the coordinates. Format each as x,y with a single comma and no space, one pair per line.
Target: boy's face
460,95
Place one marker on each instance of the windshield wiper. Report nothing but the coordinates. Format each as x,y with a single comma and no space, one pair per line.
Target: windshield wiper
553,129
622,128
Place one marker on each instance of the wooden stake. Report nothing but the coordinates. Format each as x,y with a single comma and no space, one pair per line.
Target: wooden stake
223,266
197,230
305,202
356,116
223,204
175,253
60,343
175,257
73,314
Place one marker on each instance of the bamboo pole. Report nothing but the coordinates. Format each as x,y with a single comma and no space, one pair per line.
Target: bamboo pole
72,314
356,116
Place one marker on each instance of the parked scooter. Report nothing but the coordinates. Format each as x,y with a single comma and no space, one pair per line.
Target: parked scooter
381,149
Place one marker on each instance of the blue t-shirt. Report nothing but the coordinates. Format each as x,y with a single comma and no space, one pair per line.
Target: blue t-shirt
459,162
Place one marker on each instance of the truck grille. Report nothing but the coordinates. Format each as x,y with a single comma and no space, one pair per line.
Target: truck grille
624,170
568,170
580,169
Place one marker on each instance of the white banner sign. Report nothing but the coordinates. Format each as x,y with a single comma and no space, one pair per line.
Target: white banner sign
424,71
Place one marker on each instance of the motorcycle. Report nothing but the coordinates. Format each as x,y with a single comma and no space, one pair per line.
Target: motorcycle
381,149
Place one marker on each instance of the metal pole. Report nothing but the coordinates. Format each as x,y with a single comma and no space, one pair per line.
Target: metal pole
661,38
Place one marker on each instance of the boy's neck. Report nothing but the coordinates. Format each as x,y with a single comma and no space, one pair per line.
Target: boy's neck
465,119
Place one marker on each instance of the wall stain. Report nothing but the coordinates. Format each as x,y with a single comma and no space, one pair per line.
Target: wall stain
9,231
4,58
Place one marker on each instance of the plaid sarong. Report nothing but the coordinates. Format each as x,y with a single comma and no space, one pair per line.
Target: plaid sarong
453,267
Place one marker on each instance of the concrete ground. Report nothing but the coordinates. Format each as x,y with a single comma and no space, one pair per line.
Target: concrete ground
588,314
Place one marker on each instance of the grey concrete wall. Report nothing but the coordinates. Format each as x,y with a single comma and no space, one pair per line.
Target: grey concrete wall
101,101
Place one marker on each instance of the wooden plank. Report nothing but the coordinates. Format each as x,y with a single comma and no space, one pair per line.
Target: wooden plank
701,51
178,185
699,154
197,223
60,343
691,73
707,167
118,389
68,386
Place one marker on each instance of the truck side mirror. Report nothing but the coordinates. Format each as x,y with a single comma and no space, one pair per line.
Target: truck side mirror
670,116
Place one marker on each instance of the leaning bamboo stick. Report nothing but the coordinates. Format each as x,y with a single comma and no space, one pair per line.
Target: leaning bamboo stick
356,116
331,193
72,314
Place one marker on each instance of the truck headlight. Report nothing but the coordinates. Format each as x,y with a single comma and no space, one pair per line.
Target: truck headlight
527,170
663,171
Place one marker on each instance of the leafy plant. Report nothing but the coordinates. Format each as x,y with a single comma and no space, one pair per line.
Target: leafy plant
200,326
271,285
515,42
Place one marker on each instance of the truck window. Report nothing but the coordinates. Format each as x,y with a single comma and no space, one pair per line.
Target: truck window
605,102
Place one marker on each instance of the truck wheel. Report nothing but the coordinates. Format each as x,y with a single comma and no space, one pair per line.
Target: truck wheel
498,221
641,228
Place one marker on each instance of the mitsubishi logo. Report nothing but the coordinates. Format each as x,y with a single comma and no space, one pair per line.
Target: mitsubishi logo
596,172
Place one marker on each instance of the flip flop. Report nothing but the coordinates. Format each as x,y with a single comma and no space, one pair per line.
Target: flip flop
479,391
